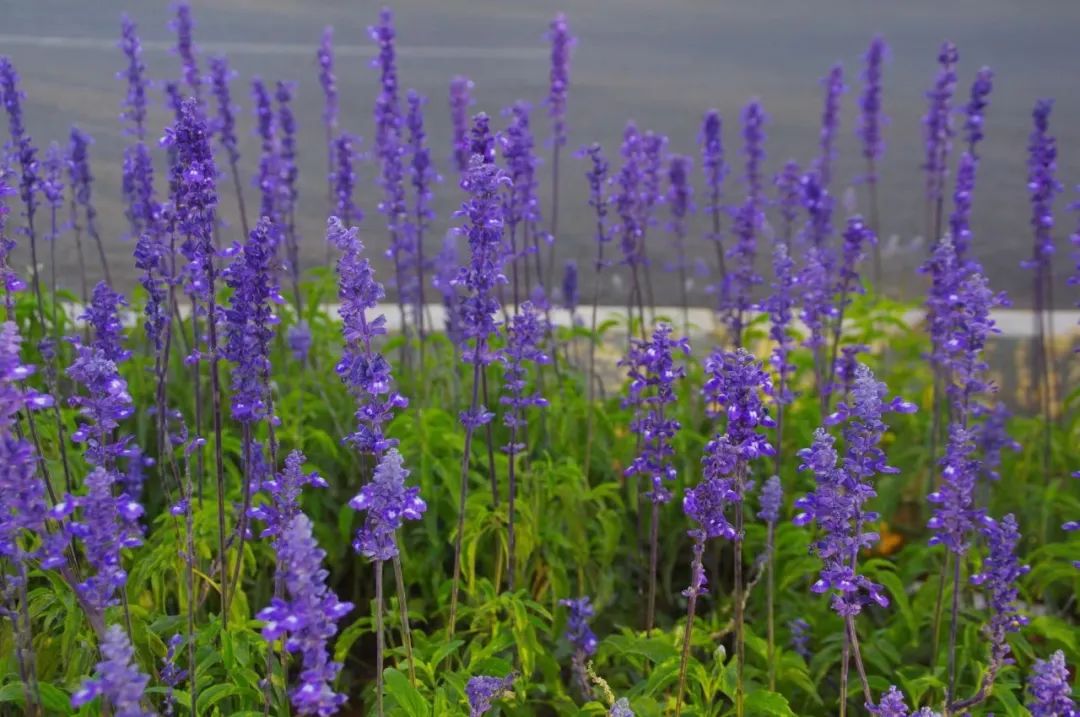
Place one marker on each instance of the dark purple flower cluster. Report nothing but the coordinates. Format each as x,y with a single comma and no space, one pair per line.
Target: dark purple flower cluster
780,305
737,294
800,637
1051,694
135,74
103,318
307,618
937,124
597,177
185,48
578,633
78,164
362,368
482,690
955,514
284,491
653,371
460,101
524,345
151,259
447,264
268,176
344,179
421,171
975,110
789,192
562,43
771,500
220,76
289,173
387,504
999,575
248,322
870,117
119,679
992,435
621,708
838,503
570,296
830,121
106,403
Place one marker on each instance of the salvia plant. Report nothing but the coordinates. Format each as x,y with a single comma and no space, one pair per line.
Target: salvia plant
211,452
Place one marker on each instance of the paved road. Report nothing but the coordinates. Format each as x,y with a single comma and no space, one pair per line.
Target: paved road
661,63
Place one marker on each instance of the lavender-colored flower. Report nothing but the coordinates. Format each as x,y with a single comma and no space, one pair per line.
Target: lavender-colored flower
562,44
680,203
481,141
621,708
999,575
387,504
480,278
969,326
423,175
22,146
185,47
892,704
365,372
628,198
817,303
830,121
266,127
570,295
119,679
220,76
790,195
771,500
328,81
307,618
653,371
137,187
248,323
298,339
524,336
284,491
106,404
992,436
103,318
344,179
578,633
106,525
289,172
800,637
937,123
945,275
960,218
975,110
955,514
482,690
846,368
195,177
78,164
10,280
520,206
780,305
735,388
1051,695
870,117
712,164
740,282
1042,187
597,177
150,259
460,101
171,674
652,169
843,489
135,102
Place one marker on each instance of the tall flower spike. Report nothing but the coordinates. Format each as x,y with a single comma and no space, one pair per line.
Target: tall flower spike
171,674
423,175
22,146
365,372
578,633
288,192
482,690
524,336
830,121
134,111
185,48
387,504
248,322
78,164
570,294
838,503
1043,187
220,76
306,618
1049,690
1001,570
344,179
562,44
736,297
771,499
937,124
119,679
789,190
328,81
284,491
975,110
712,164
680,203
628,197
653,372
103,317
780,306
460,101
870,117
268,178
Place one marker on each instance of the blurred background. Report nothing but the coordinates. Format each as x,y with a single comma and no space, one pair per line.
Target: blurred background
659,63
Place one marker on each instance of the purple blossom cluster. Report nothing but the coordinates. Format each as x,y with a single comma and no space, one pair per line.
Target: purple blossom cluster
387,503
524,345
483,690
578,633
119,679
562,44
999,575
284,491
1049,690
460,101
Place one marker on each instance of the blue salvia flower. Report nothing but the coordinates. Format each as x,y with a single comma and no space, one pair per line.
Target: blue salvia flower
937,124
482,690
306,618
578,633
562,44
387,503
837,505
652,169
151,260
653,371
328,81
248,323
800,637
135,73
1042,187
268,177
621,708
975,110
955,514
284,491
892,704
817,298
780,306
1049,690
365,372
22,146
524,337
460,101
103,318
870,116
945,274
771,499
999,576
220,76
830,121
10,280
790,195
289,173
119,679
992,436
680,203
736,295
171,674
521,208
570,295
960,219
628,196
185,48
344,179
22,493
106,525
423,175
481,141
712,164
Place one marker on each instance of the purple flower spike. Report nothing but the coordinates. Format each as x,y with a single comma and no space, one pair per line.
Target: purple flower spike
837,505
119,679
365,372
570,294
830,121
284,490
780,306
134,110
521,208
652,371
328,81
712,164
800,637
220,76
891,705
22,146
621,708
185,47
344,179
789,188
578,633
975,110
680,203
562,44
870,117
937,124
387,504
771,500
999,576
249,320
955,516
307,618
103,318
1043,187
1051,694
524,338
482,690
628,197
268,178
460,101
171,674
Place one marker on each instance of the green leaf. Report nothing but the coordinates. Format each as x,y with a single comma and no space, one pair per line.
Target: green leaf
654,648
214,694
768,703
407,697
